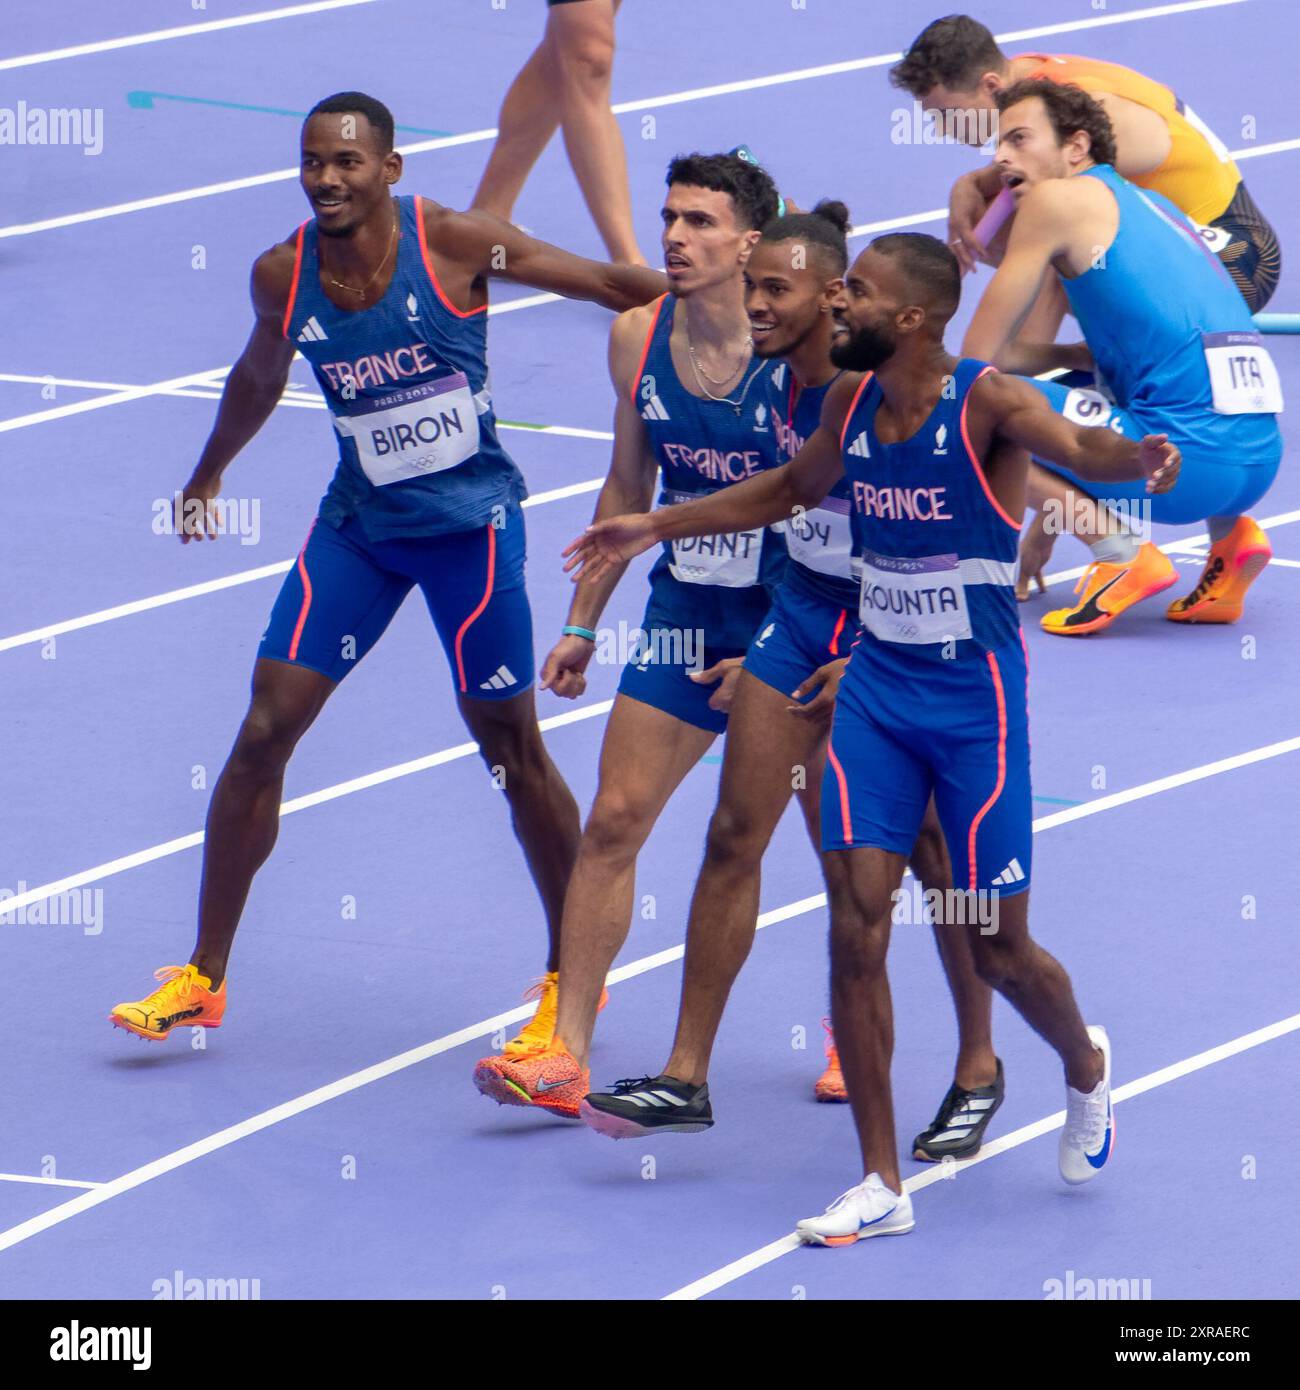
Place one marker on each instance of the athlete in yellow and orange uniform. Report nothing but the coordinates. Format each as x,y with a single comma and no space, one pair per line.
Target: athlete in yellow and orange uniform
955,68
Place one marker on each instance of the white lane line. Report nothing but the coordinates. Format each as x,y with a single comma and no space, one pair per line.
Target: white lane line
301,402
231,581
737,1269
1254,151
1289,564
643,104
51,1182
25,1230
11,905
80,50
131,393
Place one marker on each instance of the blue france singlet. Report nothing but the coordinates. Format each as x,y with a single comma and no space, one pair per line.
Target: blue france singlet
407,384
820,540
718,584
937,550
1160,314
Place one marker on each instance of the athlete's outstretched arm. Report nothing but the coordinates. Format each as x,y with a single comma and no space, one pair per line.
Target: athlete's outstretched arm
1038,233
773,495
252,390
1018,414
490,245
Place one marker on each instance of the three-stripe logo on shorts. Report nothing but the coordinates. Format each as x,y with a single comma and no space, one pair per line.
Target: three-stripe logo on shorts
1013,873
499,680
312,332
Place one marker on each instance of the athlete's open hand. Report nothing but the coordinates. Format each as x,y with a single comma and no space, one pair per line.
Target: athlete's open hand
1160,462
196,518
605,545
724,674
825,680
563,671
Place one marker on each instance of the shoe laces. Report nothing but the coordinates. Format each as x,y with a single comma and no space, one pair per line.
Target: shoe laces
628,1084
178,984
540,1029
1085,1121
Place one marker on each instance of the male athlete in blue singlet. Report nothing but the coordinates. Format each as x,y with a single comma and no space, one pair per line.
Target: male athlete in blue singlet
693,406
1172,340
776,735
933,701
386,298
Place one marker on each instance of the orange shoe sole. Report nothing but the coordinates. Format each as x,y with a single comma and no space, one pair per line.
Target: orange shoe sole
1229,608
161,1037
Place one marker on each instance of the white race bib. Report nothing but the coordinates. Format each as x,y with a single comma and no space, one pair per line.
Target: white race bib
1216,238
916,600
1086,407
820,538
730,562
1243,377
414,431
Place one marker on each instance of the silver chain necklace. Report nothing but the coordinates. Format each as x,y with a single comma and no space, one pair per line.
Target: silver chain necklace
701,376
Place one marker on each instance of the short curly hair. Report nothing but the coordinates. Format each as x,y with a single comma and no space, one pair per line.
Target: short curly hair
954,51
1069,108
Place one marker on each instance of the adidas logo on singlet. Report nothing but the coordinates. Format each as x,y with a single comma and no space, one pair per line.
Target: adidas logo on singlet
778,377
1013,873
502,678
860,448
312,332
654,410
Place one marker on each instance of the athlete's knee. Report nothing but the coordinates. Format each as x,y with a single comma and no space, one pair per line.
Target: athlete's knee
515,754
859,946
587,62
736,838
266,738
999,957
617,826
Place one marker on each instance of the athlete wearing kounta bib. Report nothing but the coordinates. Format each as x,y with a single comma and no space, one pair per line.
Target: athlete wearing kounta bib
955,69
692,407
1171,339
776,736
932,701
386,298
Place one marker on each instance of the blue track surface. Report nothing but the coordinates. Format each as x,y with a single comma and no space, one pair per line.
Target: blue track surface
110,728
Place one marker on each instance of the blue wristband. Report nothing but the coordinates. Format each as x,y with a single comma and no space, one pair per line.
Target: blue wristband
570,630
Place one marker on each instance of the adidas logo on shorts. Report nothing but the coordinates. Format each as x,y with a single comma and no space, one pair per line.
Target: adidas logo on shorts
312,332
499,680
1013,873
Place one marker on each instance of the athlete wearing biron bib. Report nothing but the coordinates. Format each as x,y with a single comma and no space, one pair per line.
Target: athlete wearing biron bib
1170,338
386,297
932,702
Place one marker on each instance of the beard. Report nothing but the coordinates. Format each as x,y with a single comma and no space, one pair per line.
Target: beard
863,351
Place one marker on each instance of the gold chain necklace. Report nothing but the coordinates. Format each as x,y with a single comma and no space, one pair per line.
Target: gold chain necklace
701,376
352,289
